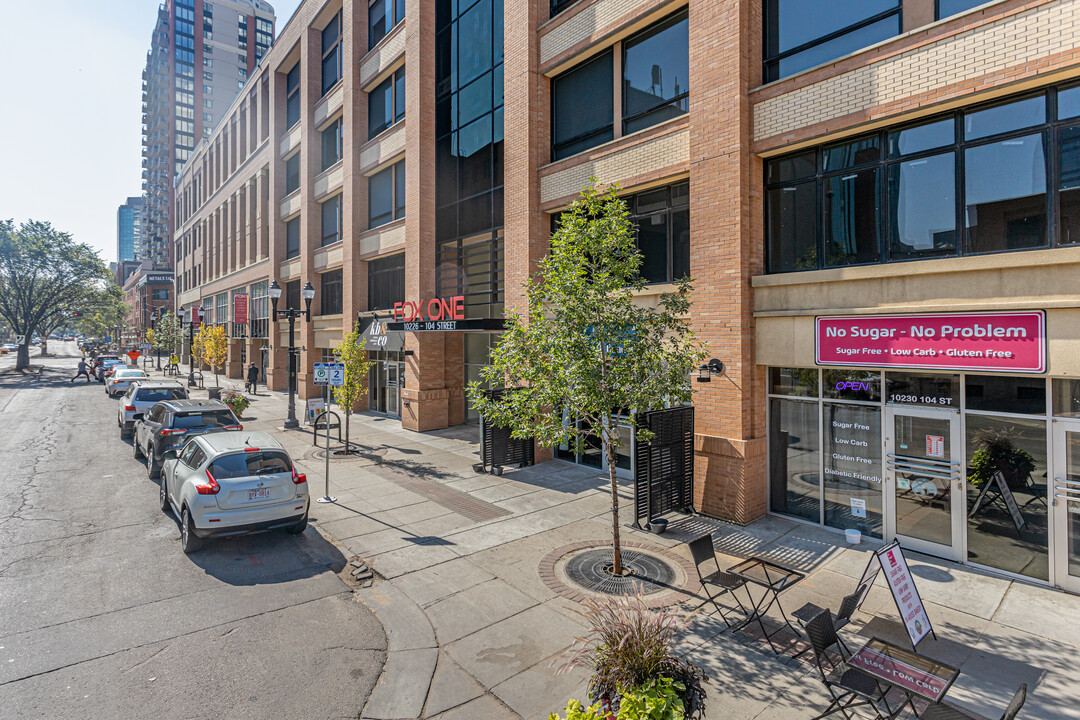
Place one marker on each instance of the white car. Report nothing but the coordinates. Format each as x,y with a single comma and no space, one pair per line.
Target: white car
140,397
121,379
232,483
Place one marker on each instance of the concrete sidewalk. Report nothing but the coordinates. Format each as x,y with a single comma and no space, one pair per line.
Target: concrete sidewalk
474,623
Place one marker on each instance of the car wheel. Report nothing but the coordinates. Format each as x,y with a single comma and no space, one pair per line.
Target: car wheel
163,498
298,527
189,541
136,450
153,470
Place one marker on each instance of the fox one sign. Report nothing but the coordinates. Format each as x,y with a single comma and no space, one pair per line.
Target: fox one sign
451,308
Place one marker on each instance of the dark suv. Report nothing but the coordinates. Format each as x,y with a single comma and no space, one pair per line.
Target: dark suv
169,424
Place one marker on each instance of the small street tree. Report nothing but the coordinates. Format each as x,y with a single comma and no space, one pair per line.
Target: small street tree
353,355
167,334
211,347
584,349
44,275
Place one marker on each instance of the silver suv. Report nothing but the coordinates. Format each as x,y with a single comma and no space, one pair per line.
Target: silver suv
140,397
232,483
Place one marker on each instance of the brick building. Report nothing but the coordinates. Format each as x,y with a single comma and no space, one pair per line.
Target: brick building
880,170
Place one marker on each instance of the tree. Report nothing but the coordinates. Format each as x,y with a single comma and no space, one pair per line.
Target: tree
584,349
353,355
104,312
211,347
167,334
43,276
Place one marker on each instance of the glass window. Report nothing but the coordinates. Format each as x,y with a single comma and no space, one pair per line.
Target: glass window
864,385
1066,398
249,464
663,232
801,382
945,8
578,126
383,15
850,154
852,455
1009,452
794,456
851,218
800,34
331,145
794,167
656,73
1068,102
1025,395
922,207
908,388
922,137
1069,186
292,95
292,173
331,220
386,281
1005,118
384,187
384,107
792,227
1005,187
331,53
330,293
292,238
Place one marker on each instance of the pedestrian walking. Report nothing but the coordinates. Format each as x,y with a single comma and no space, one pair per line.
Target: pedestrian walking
84,370
252,378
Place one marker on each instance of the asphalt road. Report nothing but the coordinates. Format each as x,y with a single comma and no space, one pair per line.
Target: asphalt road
103,616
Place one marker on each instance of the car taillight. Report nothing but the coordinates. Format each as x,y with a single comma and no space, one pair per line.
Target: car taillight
129,408
254,450
210,488
233,427
174,431
298,478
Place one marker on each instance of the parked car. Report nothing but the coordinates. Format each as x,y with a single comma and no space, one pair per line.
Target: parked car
121,380
99,362
107,373
9,347
140,397
170,422
232,484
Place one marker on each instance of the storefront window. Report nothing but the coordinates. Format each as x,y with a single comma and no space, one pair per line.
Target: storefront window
934,390
994,393
1006,494
864,385
853,468
1066,398
794,457
802,382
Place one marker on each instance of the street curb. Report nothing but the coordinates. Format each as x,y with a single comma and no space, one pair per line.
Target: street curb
411,657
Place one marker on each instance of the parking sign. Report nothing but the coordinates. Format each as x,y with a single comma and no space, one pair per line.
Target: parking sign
329,374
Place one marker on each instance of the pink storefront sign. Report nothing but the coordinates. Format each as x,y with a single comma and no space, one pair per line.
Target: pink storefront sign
982,342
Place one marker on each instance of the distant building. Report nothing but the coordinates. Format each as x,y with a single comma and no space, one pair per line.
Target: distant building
128,227
200,56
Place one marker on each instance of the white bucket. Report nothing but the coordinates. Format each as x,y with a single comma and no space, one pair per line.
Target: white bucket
854,537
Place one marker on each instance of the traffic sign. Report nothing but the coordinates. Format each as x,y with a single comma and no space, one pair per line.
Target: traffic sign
329,374
20,339
134,355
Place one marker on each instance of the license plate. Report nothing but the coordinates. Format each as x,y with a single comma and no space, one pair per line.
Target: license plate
258,494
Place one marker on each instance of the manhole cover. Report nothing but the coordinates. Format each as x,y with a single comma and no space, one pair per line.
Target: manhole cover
591,570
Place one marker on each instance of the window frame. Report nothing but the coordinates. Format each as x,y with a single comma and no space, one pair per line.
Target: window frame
324,284
392,79
335,51
336,235
292,250
1049,129
380,268
660,26
558,145
292,96
336,128
392,7
397,205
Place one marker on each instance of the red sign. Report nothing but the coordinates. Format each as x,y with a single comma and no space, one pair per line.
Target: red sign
196,316
240,308
434,309
899,673
994,341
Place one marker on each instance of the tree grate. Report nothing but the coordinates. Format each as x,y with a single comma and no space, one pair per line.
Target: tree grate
591,570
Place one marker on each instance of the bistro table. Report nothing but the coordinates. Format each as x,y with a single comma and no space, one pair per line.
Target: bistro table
913,674
775,579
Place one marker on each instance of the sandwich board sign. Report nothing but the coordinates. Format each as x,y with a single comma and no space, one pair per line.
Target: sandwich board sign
902,584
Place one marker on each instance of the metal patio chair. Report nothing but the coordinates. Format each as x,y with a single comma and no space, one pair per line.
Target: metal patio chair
702,550
848,605
848,686
948,711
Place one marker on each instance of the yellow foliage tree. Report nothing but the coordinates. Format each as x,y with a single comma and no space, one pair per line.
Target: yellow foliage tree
353,355
210,346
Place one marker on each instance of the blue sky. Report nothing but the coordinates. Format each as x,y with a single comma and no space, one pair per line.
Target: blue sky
70,97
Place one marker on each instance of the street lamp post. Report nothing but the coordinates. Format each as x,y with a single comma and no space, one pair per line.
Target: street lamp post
191,343
291,314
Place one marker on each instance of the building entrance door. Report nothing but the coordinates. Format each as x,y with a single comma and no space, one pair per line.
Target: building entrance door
385,382
1066,505
924,493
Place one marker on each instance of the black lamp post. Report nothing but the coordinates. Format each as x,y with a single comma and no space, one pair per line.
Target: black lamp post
191,343
291,314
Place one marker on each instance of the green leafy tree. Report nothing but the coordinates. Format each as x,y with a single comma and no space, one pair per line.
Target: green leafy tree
353,355
168,334
44,275
584,348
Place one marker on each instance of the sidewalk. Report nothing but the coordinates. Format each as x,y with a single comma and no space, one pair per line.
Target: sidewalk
475,615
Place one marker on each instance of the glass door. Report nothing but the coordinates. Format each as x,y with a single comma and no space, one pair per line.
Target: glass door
924,491
1066,504
395,372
